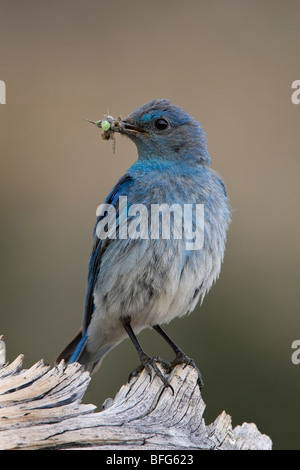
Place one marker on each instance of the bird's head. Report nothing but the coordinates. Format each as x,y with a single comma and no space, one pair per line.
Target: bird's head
162,130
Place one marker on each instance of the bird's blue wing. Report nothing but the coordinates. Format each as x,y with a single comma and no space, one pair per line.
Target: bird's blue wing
120,189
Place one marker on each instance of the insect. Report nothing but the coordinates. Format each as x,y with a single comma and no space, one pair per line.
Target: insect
109,125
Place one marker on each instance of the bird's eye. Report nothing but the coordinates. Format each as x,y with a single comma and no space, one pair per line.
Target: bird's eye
161,124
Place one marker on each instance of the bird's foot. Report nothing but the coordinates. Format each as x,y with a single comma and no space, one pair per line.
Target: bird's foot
150,365
182,358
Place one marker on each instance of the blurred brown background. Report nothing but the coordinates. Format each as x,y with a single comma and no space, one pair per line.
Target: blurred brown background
230,64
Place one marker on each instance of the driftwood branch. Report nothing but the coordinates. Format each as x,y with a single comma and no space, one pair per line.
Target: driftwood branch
41,408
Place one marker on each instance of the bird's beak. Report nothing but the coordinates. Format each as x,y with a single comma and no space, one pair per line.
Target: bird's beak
124,126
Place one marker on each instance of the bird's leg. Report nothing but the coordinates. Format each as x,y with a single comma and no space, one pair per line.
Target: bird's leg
148,362
181,357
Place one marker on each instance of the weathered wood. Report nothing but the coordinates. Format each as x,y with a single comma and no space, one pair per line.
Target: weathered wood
2,351
41,408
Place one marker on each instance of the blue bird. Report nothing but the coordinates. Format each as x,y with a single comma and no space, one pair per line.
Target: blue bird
148,279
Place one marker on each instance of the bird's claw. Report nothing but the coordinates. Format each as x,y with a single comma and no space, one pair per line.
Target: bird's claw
150,365
182,358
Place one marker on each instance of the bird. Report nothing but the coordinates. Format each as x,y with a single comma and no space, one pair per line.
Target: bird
146,281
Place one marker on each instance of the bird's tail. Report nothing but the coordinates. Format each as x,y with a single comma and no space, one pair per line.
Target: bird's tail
76,351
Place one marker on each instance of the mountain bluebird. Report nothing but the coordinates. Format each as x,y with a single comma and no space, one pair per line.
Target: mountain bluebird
148,279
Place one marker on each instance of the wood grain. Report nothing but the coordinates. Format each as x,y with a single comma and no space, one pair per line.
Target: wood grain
41,408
